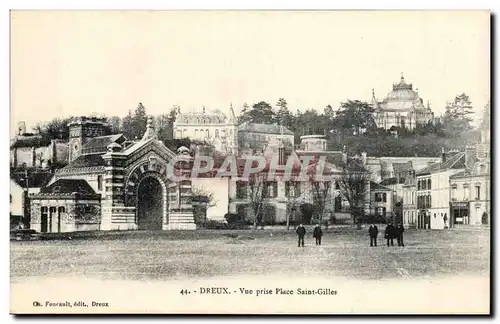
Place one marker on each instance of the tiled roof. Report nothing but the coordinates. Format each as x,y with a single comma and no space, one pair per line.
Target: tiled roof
99,144
264,128
86,160
456,161
69,186
392,181
376,186
35,179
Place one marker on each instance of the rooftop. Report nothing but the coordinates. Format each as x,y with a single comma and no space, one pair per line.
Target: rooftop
264,128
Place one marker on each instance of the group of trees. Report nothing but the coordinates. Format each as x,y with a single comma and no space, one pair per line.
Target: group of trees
353,126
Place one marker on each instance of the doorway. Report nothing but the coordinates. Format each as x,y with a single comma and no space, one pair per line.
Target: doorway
150,207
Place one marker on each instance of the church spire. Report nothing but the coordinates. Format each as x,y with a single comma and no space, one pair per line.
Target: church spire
150,132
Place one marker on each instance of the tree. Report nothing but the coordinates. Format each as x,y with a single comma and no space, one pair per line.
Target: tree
163,127
321,191
202,200
355,116
261,113
283,116
456,116
139,122
115,124
256,193
55,129
127,127
292,194
354,186
244,116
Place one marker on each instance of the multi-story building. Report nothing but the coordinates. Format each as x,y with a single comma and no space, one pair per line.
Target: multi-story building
433,189
284,199
470,190
382,201
410,211
402,107
388,167
212,127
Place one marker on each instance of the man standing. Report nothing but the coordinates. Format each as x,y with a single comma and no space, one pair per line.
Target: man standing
400,230
373,231
389,234
317,234
301,232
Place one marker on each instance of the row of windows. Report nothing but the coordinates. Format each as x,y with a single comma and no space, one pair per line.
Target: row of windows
424,184
380,197
203,133
424,202
477,190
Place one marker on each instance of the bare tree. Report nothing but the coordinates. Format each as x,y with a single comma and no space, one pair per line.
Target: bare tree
321,191
353,185
292,194
256,193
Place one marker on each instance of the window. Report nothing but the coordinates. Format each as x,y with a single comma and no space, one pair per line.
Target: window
429,184
99,182
478,192
418,185
384,197
11,199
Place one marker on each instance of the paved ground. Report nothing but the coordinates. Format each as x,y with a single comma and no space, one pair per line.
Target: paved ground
206,254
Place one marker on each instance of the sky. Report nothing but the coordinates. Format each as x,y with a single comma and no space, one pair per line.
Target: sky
106,62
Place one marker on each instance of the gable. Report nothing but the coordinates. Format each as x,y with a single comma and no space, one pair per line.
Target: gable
141,150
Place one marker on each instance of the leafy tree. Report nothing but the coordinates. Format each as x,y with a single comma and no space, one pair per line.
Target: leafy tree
355,116
139,121
127,127
115,124
244,116
261,113
457,115
283,116
163,127
55,129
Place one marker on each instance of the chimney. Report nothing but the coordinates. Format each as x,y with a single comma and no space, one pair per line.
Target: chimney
443,155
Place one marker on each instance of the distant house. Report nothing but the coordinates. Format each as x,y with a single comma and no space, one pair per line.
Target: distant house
257,136
19,205
381,200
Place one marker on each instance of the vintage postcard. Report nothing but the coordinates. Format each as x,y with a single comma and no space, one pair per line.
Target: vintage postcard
250,162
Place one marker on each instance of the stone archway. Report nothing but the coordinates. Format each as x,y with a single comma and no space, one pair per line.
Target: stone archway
150,208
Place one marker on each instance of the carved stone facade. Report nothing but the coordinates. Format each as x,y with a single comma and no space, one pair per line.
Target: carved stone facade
116,184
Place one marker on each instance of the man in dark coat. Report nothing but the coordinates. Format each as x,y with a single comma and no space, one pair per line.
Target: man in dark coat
373,231
317,234
301,232
390,232
400,231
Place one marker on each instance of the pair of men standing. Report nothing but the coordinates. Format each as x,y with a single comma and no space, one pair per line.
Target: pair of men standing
317,234
391,232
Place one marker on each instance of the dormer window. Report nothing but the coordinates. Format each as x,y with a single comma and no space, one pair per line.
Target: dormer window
56,189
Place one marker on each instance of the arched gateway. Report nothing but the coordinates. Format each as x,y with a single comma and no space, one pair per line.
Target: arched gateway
126,186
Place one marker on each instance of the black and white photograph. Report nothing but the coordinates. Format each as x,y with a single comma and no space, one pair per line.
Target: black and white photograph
250,162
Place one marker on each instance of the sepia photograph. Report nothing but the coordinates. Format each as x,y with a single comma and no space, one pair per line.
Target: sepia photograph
250,162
